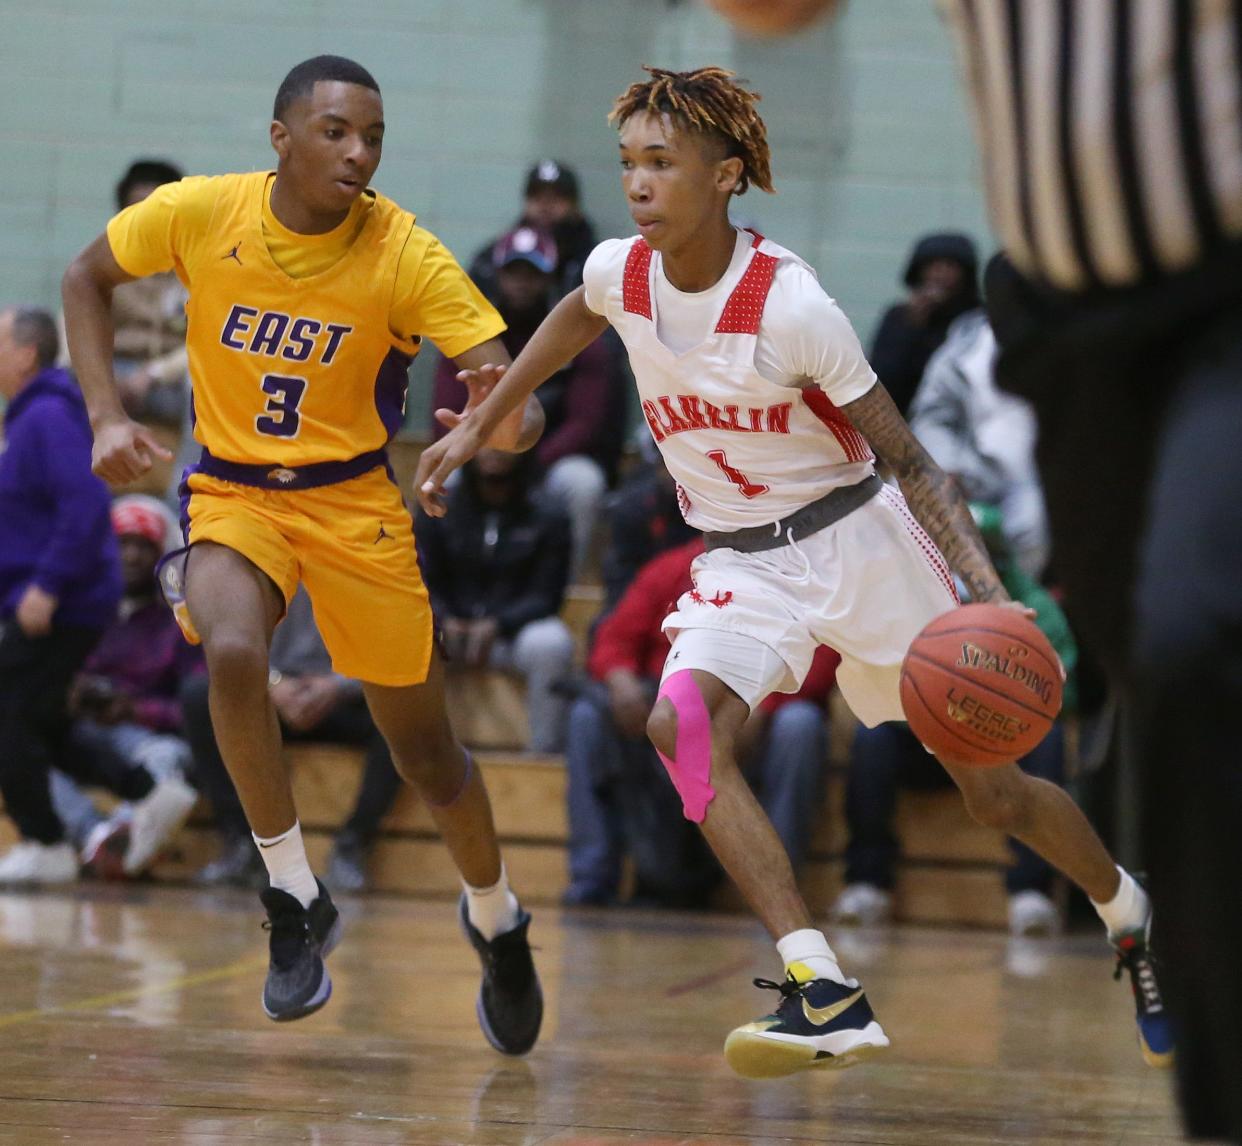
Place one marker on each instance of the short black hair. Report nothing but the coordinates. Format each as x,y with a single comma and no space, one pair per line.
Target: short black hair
35,327
157,171
301,80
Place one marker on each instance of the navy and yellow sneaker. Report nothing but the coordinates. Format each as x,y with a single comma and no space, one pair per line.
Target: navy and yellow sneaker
818,1023
510,1002
1155,1032
298,983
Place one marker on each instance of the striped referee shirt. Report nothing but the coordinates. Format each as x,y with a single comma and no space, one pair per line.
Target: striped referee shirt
1111,131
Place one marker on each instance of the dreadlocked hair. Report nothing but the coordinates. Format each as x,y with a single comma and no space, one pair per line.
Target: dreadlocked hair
707,100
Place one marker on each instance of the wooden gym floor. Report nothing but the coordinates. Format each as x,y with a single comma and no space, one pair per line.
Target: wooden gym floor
132,1016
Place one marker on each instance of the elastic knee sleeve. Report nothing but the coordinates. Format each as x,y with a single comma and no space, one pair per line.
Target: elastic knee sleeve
691,768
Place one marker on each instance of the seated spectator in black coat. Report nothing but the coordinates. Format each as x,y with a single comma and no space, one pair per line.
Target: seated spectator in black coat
942,277
583,403
313,704
496,566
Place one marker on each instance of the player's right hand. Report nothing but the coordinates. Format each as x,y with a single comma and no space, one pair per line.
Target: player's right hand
438,461
124,451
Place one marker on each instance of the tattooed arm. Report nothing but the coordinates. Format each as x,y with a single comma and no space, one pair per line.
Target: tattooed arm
933,496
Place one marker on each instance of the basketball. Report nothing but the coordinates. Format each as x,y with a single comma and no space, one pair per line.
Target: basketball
981,685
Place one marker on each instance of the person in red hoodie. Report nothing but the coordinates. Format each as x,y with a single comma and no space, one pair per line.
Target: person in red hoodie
618,790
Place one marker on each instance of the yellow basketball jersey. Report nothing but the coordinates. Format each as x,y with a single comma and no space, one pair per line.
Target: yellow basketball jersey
288,371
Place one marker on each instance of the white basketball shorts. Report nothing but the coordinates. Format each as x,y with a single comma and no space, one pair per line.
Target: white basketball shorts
865,586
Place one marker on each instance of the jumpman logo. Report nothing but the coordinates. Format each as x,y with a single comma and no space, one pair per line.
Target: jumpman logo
381,535
233,254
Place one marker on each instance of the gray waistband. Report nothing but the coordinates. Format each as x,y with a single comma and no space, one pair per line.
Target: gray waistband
830,508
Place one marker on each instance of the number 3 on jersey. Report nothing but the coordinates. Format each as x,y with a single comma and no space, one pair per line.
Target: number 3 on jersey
282,419
747,487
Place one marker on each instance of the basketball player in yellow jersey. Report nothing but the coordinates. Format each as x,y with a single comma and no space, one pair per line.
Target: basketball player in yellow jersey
308,296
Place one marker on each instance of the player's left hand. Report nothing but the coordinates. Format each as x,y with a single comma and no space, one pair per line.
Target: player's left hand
479,384
1025,610
35,611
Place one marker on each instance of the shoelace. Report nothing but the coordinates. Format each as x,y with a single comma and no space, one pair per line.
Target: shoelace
288,932
788,989
1142,975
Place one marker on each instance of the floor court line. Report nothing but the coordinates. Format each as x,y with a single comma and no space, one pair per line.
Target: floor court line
100,1002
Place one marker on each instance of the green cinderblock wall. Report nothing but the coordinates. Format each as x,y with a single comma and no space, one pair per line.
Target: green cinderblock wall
871,143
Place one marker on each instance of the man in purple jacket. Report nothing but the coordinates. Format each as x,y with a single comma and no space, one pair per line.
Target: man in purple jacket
59,583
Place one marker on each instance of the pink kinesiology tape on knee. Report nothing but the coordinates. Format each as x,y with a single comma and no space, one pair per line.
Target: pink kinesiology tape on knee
691,769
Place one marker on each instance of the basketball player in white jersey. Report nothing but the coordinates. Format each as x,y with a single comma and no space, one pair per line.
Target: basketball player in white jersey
757,392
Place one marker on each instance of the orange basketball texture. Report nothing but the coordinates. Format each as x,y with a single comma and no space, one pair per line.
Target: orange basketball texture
981,685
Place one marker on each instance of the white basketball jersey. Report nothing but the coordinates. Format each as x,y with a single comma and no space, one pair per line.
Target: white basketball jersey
743,450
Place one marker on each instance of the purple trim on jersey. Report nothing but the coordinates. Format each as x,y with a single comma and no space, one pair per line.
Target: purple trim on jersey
277,477
391,383
183,497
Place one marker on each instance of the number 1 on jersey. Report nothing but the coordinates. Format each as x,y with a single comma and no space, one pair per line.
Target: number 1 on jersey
287,394
747,487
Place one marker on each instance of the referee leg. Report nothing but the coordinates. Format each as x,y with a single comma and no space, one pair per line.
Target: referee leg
1188,668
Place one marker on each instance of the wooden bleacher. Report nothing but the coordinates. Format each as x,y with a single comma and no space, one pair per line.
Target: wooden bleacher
952,870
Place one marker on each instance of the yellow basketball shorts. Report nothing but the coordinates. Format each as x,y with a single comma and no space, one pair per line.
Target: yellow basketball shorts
352,545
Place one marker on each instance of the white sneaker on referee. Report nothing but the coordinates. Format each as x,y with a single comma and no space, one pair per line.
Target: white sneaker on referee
155,818
1031,913
862,905
31,862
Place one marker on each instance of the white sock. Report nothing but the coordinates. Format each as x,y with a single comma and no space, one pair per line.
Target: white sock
1128,910
493,910
810,948
285,858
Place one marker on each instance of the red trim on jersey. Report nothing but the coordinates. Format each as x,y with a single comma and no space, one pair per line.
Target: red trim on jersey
742,312
636,281
850,440
935,559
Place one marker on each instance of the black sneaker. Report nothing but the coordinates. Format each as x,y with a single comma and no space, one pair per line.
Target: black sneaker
1155,1032
510,1003
298,983
817,1023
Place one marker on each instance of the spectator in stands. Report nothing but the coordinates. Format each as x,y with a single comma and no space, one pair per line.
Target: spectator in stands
644,519
888,756
942,277
313,704
582,403
619,796
149,314
496,567
550,203
126,712
59,583
983,436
